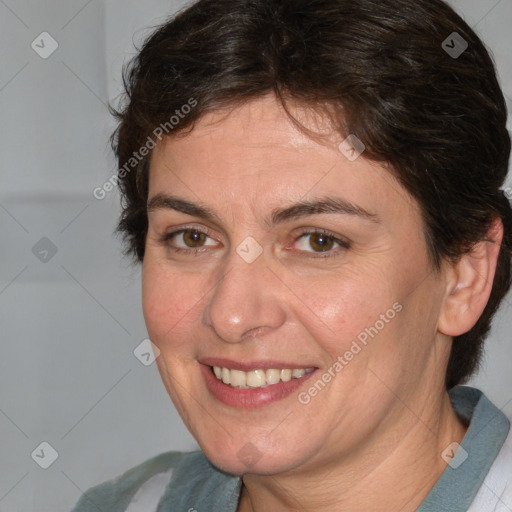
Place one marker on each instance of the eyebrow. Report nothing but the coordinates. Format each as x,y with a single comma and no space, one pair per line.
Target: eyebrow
334,205
331,205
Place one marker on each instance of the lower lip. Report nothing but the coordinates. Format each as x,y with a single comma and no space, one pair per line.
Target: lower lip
250,398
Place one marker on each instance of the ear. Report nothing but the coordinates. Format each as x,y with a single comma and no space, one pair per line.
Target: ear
469,284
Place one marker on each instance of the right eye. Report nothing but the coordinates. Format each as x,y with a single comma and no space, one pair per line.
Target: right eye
188,240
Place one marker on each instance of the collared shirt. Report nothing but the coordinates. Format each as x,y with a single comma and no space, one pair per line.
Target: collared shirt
478,477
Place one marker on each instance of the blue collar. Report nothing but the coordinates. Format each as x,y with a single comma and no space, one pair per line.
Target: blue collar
488,427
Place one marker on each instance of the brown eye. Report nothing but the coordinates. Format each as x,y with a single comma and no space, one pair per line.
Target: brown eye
188,239
320,242
193,238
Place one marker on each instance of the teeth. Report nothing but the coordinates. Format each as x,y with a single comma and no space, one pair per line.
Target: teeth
258,378
286,375
272,376
238,378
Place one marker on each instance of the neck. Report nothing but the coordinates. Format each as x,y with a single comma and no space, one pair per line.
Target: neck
394,472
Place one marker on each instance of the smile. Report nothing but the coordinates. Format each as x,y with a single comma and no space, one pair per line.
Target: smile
259,378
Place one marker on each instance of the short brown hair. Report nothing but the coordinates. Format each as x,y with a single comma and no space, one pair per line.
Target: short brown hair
438,119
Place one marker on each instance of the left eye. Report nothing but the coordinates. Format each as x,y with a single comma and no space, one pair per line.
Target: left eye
319,242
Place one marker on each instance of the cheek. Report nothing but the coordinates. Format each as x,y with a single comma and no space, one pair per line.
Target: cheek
337,308
170,302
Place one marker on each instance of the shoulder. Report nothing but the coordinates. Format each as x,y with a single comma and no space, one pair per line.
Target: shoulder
496,489
154,475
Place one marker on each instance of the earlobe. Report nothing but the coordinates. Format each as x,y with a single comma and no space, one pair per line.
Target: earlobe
469,284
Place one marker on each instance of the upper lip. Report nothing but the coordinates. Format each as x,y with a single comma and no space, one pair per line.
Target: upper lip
252,365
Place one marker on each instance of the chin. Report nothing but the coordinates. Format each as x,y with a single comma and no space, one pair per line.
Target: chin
249,458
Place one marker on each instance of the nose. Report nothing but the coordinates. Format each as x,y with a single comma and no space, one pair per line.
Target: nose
245,301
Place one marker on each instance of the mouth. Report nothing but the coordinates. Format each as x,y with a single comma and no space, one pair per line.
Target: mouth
258,378
255,384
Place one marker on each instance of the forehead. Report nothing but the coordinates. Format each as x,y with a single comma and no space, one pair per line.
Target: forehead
259,127
254,156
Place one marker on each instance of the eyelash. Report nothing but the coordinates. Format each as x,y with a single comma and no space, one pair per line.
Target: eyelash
343,244
165,239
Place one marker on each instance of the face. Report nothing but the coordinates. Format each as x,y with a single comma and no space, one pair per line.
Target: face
297,276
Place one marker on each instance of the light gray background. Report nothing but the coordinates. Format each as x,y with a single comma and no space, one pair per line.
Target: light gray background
69,326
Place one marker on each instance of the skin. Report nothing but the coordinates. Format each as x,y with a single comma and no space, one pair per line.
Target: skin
372,439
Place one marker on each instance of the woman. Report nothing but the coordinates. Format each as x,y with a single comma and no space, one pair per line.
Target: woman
313,191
